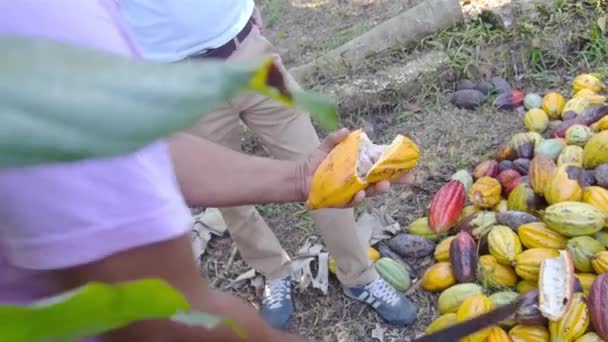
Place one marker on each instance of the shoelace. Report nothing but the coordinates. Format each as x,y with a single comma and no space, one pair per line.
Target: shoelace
275,292
381,289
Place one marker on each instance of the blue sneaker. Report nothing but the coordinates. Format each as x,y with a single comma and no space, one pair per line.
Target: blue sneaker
390,304
277,303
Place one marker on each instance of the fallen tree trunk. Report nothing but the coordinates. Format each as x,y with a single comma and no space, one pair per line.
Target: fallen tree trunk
405,29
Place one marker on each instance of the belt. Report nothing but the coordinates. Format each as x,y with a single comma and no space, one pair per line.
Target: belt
226,50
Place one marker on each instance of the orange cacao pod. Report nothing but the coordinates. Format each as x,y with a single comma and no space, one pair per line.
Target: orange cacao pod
485,192
438,277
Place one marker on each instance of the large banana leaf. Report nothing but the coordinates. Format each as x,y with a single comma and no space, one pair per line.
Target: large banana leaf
60,102
98,308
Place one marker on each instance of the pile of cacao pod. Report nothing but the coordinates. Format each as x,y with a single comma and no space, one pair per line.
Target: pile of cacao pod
546,190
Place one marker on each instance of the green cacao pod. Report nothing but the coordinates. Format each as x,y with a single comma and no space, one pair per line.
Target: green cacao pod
536,120
421,227
572,219
464,177
582,249
596,150
451,299
393,273
578,135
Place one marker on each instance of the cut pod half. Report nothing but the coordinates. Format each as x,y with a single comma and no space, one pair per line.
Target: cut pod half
556,285
357,162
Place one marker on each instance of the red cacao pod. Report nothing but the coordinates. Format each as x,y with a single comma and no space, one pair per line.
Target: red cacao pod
446,206
513,184
487,168
463,257
509,100
506,178
598,305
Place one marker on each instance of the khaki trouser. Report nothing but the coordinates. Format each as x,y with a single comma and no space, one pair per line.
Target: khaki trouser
288,134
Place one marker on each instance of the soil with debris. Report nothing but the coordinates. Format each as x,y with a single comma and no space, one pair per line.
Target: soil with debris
449,138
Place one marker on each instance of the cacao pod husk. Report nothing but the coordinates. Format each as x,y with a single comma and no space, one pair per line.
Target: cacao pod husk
572,219
523,199
598,305
583,249
411,246
574,322
478,223
538,235
530,315
541,167
446,206
532,100
524,143
505,165
509,100
578,135
587,178
587,118
597,197
465,178
497,334
485,192
393,273
536,120
602,237
564,185
575,106
586,279
438,277
504,152
587,81
466,212
506,179
526,286
421,227
467,98
501,206
463,257
556,286
589,337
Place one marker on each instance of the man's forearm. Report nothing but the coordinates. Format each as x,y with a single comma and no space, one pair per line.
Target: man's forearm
213,175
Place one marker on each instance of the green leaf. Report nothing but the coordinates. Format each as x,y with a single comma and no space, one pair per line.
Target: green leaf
60,102
97,308
196,318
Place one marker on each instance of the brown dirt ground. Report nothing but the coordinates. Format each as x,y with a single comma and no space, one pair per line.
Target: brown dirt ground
449,139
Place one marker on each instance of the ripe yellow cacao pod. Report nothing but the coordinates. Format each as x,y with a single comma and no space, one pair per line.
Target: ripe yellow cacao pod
536,120
501,206
526,285
537,234
576,106
563,184
596,150
451,299
539,171
597,197
587,81
527,263
354,164
589,337
421,227
498,334
441,322
438,277
601,125
504,244
571,154
472,307
593,97
442,250
495,274
372,254
573,324
522,333
485,192
586,280
553,104
599,262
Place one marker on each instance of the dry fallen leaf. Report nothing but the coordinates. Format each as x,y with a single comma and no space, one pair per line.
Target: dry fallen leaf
378,332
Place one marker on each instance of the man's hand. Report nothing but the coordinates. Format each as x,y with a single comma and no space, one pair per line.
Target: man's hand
308,167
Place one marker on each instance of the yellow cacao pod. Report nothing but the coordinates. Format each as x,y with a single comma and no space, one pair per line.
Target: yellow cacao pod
536,120
563,184
501,206
576,105
442,250
582,249
503,244
467,211
421,227
571,154
485,192
355,163
596,150
526,285
586,280
537,234
522,333
587,81
498,334
441,322
599,262
597,197
495,274
593,97
553,104
527,263
539,171
472,307
438,277
573,324
372,254
451,299
589,337
601,125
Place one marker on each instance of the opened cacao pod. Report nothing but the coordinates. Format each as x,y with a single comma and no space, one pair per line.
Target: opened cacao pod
556,286
599,262
494,274
597,197
522,333
463,257
574,322
446,206
472,307
586,279
451,299
442,250
354,164
541,168
536,120
596,150
598,305
485,192
538,235
583,248
572,219
527,263
563,184
438,277
553,104
571,155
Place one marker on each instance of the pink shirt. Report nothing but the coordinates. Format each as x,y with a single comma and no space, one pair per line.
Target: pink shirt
64,215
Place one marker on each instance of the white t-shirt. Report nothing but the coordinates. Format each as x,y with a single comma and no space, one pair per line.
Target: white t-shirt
171,30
